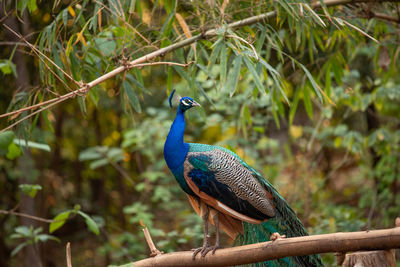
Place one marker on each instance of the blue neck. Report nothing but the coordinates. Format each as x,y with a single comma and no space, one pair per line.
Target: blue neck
175,150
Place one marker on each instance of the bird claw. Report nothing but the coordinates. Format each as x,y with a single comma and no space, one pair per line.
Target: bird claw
196,251
276,236
204,250
214,248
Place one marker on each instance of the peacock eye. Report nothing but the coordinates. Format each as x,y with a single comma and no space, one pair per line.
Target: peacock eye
185,102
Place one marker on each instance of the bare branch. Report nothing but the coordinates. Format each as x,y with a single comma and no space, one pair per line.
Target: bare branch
68,254
153,250
12,212
296,246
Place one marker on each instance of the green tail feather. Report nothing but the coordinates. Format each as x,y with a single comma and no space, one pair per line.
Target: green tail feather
285,223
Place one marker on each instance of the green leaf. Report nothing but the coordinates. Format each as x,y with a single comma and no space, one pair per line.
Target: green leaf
133,100
184,75
32,144
169,80
234,74
215,52
261,39
98,163
317,89
59,220
21,5
294,106
45,237
30,189
23,231
223,59
8,67
90,154
253,72
5,139
307,101
275,115
167,28
116,154
106,44
328,80
18,248
269,67
91,224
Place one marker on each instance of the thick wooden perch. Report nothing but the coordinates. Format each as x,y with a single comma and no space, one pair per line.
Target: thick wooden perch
296,246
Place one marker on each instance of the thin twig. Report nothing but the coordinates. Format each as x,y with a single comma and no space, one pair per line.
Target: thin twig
381,16
37,111
12,212
68,254
153,250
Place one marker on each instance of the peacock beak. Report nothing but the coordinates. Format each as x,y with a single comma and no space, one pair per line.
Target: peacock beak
195,104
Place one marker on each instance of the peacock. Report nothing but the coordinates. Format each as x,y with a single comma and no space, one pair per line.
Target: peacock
226,192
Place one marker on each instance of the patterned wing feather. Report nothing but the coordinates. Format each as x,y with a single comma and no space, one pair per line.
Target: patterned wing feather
219,175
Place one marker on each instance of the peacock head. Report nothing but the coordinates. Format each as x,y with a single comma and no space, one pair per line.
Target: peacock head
185,103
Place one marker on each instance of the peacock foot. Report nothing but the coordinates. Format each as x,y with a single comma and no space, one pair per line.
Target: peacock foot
276,236
204,250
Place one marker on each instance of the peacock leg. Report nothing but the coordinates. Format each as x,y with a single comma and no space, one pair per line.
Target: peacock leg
217,242
205,211
217,245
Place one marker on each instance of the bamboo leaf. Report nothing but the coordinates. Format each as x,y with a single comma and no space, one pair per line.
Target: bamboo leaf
166,28
234,74
307,101
317,89
223,61
269,67
261,39
360,31
169,80
328,80
133,100
253,72
294,106
315,15
214,54
184,75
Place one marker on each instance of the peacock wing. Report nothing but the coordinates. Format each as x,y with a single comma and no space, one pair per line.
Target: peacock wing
222,180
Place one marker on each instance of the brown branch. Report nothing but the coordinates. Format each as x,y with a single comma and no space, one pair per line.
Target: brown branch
153,250
161,52
79,91
383,16
12,212
296,246
68,254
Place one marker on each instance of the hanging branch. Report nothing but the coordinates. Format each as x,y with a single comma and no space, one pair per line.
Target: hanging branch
85,87
280,248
